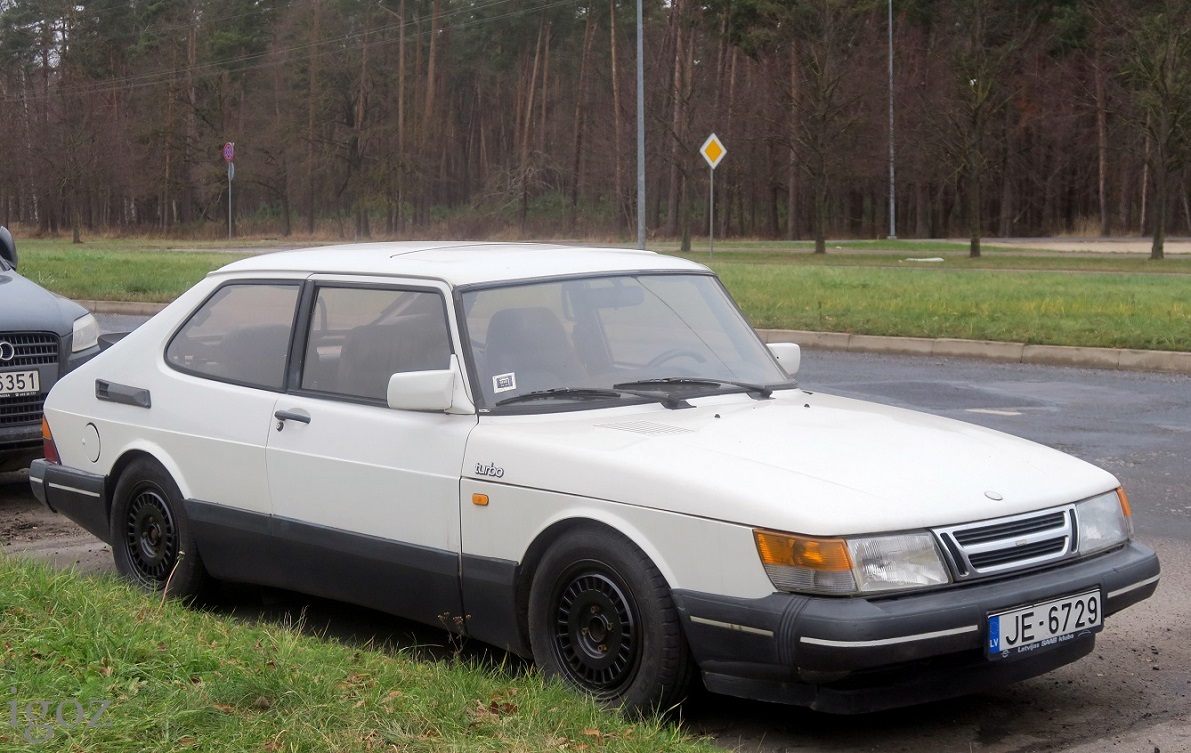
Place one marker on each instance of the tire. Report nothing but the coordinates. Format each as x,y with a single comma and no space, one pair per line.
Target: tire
152,541
601,618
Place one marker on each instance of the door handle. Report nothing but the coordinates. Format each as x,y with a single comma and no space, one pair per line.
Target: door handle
284,415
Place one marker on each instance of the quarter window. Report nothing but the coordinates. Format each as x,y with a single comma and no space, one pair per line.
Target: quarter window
241,334
359,337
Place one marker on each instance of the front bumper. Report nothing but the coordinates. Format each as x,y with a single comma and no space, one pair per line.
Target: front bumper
79,495
864,654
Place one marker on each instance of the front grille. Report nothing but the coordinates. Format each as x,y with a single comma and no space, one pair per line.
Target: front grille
30,349
21,409
997,546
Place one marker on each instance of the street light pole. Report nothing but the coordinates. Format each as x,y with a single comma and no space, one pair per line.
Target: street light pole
641,127
892,183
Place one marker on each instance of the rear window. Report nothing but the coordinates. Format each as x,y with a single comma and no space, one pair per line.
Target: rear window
241,334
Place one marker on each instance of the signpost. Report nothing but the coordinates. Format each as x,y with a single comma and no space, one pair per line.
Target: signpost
229,156
713,151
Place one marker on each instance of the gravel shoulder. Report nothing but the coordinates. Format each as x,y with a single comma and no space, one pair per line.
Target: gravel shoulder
29,528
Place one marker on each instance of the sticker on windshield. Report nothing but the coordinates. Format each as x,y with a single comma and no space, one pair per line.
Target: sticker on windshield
504,382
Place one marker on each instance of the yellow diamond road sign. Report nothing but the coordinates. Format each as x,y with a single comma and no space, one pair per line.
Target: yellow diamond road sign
713,151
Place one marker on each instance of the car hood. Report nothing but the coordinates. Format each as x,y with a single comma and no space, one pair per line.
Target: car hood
25,305
810,463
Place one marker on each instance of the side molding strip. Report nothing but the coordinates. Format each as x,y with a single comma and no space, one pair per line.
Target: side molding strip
1134,587
889,641
733,626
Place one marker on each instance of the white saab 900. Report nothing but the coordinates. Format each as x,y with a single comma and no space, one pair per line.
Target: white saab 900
587,457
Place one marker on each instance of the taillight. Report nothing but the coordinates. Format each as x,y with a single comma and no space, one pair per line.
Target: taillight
47,443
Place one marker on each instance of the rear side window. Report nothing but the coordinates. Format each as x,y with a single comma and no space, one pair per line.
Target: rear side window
241,334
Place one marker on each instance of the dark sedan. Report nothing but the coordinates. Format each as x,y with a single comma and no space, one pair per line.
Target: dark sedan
42,337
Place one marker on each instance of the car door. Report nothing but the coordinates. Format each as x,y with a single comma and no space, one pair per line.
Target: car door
366,498
229,363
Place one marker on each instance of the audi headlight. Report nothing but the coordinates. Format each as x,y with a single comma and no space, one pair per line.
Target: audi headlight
86,333
847,566
1104,521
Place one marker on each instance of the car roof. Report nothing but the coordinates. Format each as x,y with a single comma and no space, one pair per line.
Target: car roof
460,263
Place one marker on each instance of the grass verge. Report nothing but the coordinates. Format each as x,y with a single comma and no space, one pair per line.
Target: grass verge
110,270
1149,312
1051,298
90,664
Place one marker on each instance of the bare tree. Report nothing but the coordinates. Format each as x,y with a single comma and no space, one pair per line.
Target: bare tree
1158,67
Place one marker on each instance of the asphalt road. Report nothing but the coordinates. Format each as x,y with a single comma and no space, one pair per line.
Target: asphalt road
1131,694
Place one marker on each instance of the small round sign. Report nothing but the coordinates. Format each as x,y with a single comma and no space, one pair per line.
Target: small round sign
229,151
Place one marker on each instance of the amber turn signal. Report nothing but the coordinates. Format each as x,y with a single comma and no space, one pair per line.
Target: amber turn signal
802,551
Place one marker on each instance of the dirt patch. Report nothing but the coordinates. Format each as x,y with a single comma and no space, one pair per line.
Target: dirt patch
23,519
29,528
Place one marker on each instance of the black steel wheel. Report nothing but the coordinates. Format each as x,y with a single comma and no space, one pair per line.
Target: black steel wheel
602,619
151,535
151,538
595,630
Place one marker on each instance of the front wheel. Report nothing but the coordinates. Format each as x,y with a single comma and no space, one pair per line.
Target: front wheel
152,542
601,617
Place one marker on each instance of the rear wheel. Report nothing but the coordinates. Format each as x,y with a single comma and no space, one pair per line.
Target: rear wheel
602,618
152,541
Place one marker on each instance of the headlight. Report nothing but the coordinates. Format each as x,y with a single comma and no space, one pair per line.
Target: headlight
846,566
1104,521
86,333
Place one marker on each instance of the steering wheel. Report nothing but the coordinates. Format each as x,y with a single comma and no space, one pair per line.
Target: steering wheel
672,353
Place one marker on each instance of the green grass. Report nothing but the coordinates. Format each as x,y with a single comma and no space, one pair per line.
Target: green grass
133,270
1102,310
176,679
861,287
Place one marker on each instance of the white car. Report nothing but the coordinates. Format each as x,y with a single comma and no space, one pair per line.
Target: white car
587,457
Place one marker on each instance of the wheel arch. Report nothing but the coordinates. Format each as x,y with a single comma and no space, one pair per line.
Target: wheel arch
132,454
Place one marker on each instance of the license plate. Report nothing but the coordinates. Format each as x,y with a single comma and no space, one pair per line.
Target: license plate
19,382
1048,623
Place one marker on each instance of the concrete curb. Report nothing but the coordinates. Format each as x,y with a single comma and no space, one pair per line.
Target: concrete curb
131,308
1053,355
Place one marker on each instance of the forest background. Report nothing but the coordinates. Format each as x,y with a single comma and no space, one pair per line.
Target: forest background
516,118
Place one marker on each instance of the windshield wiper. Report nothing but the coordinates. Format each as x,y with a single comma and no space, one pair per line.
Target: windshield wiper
593,393
758,390
580,393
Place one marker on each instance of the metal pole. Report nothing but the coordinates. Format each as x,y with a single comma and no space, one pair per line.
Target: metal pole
640,127
229,200
892,182
711,214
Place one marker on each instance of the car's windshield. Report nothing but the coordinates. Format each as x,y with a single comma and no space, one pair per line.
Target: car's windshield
605,333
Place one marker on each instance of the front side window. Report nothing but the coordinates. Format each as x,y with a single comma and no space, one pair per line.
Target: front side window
612,333
240,334
359,337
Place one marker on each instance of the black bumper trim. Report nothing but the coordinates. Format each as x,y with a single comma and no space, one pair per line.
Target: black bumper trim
79,495
900,686
796,640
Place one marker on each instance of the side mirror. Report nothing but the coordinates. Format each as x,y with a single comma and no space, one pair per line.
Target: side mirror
788,355
8,247
439,390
